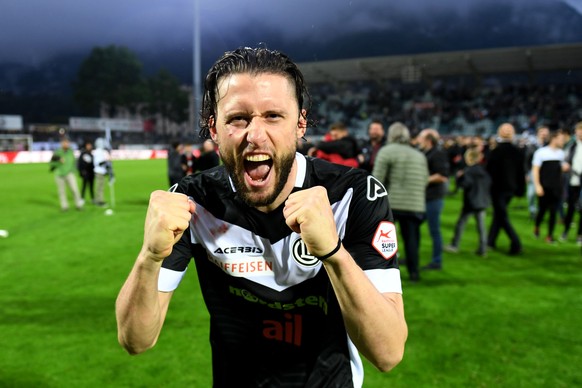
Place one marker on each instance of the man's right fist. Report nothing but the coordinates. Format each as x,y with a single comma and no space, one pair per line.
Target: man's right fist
167,218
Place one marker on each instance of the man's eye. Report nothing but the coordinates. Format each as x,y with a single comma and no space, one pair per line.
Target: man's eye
238,121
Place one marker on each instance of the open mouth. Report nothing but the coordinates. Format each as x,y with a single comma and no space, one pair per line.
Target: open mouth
258,167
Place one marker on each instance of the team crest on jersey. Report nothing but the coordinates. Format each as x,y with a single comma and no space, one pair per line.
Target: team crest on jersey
301,255
385,240
375,189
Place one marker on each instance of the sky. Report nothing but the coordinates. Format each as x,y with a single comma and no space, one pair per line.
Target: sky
32,31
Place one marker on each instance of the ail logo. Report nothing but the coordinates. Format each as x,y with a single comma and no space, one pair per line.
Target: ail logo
289,331
384,240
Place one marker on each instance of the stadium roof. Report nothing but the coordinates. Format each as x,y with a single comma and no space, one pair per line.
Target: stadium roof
425,66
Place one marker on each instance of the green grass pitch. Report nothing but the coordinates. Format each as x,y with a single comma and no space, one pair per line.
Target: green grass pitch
498,321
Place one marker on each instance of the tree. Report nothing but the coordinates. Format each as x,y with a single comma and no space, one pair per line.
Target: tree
111,75
166,98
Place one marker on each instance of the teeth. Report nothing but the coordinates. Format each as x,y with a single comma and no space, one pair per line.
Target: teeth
257,158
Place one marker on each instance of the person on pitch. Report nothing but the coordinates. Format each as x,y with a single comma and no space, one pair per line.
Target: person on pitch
296,256
64,166
101,158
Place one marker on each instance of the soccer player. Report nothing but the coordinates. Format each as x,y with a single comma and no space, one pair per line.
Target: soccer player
296,256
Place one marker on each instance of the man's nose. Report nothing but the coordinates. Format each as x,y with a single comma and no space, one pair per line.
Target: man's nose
256,132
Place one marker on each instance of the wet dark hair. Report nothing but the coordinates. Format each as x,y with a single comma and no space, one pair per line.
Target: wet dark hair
253,61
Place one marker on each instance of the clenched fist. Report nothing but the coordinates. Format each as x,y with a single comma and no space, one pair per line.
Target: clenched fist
167,218
309,213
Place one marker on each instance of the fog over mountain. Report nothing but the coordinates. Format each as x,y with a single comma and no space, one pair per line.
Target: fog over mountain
42,56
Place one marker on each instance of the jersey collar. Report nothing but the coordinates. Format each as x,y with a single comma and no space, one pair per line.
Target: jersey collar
301,169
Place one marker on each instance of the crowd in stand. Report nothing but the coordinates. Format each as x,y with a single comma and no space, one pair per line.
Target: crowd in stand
449,107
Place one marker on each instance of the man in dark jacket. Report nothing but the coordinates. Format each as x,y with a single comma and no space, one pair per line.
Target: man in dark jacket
85,167
208,157
376,140
436,190
506,166
175,170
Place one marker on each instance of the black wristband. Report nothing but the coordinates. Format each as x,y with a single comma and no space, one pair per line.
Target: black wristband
333,252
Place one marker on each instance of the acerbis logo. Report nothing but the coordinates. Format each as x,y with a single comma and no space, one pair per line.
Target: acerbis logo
302,255
230,250
375,189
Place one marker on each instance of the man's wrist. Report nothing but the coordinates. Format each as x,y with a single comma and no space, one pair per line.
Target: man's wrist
332,252
150,259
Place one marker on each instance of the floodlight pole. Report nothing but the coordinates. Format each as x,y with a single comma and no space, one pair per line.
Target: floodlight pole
196,90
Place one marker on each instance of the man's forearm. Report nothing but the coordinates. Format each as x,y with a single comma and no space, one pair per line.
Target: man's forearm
138,312
535,174
375,322
437,178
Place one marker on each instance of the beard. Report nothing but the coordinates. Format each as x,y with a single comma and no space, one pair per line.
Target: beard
282,165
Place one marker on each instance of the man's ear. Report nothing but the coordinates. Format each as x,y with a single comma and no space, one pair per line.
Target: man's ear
212,129
302,124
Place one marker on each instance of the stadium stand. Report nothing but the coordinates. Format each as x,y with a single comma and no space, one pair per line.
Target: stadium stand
467,92
463,92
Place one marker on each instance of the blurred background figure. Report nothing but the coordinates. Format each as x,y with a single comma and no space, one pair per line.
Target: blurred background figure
338,147
63,163
188,160
208,156
101,158
574,159
376,140
476,184
454,149
541,140
506,167
175,171
85,167
403,170
547,166
438,177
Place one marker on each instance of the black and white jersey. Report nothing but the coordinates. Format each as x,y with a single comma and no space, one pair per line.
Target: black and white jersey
274,317
550,161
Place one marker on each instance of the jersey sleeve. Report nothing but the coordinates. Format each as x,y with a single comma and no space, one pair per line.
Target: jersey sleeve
371,236
175,265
